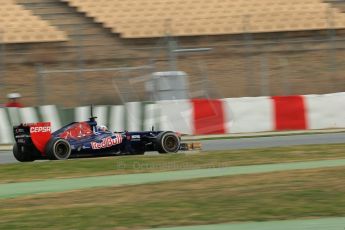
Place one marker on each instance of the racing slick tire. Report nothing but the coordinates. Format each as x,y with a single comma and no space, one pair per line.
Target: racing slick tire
20,153
168,142
58,149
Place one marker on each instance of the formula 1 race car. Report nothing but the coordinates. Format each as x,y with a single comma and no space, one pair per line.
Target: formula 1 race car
35,141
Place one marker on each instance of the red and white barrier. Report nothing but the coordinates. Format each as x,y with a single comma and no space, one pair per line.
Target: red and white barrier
256,114
198,116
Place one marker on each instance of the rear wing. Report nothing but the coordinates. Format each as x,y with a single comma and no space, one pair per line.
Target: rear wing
37,134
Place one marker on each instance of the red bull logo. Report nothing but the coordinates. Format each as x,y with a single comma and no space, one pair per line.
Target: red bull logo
107,142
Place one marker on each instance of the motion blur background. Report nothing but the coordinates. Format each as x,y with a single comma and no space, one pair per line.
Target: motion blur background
80,52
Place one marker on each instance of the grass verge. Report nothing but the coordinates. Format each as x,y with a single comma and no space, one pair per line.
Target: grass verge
140,164
272,196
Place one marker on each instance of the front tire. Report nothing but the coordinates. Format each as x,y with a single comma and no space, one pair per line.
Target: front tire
58,149
21,154
168,142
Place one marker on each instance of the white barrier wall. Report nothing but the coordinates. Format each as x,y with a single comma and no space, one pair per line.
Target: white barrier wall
326,111
176,116
28,115
82,113
14,116
249,114
151,116
6,134
133,116
117,118
51,114
101,112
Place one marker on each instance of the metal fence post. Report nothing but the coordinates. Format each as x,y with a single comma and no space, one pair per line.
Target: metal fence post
285,76
2,62
171,45
332,51
205,82
264,75
81,93
248,54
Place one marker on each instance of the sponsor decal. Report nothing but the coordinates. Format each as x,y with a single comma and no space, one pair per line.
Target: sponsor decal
29,124
107,142
22,136
19,130
40,135
135,136
40,129
21,141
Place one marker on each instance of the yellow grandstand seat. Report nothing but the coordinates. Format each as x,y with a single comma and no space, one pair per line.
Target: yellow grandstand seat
153,18
19,25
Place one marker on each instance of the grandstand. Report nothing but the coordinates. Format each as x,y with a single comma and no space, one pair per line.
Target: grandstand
156,18
19,25
271,47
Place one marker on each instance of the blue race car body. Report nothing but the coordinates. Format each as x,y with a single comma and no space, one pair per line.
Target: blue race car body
36,141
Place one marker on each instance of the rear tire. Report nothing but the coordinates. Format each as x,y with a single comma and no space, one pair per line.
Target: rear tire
58,149
21,154
168,142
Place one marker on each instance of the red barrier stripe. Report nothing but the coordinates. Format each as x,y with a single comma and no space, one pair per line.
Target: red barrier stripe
290,113
208,116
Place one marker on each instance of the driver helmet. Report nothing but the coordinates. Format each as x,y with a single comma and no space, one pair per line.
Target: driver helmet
102,128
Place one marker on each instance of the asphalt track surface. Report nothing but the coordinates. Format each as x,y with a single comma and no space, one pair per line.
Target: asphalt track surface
11,190
274,141
245,143
312,224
